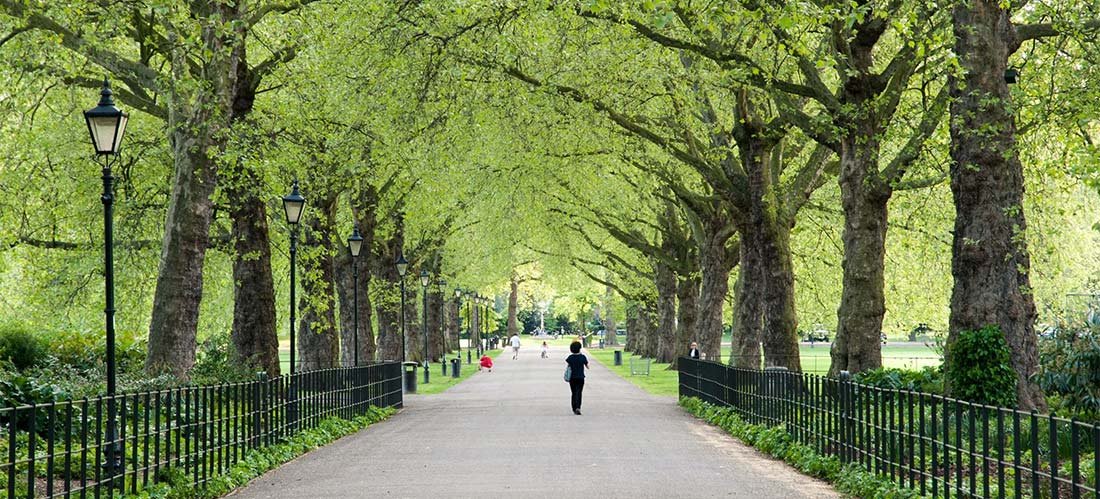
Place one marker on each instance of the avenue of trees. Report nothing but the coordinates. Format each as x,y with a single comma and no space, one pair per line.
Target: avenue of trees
676,169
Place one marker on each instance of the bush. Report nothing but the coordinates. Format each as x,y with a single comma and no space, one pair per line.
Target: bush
87,350
980,368
217,363
1069,371
21,347
927,380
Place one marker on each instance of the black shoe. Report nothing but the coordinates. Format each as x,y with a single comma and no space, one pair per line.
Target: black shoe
577,412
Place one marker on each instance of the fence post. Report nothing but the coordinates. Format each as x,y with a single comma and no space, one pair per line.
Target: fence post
775,380
257,407
846,431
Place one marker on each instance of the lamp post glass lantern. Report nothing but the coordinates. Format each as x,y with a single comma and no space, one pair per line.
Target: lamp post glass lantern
355,246
106,127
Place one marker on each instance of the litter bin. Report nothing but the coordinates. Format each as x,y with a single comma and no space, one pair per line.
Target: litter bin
456,366
410,377
618,357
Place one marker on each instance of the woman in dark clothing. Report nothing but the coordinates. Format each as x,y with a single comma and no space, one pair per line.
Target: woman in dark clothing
577,364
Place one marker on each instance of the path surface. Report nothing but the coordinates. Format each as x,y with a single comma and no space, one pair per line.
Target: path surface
510,433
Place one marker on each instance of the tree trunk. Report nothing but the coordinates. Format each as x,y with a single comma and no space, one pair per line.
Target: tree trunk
318,339
687,294
174,324
747,322
715,265
990,262
665,281
862,300
768,232
197,122
610,337
778,311
254,329
254,333
417,341
513,306
631,328
387,297
435,325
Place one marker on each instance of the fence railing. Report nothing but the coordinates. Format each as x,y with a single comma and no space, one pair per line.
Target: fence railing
197,432
936,445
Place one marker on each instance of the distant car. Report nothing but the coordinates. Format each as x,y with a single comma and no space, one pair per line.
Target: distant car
818,333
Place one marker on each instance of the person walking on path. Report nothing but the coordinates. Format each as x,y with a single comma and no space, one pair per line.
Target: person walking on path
577,364
545,350
515,346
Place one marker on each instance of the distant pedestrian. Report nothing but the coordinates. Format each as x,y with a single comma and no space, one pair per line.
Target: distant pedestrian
545,350
515,346
486,363
577,363
694,352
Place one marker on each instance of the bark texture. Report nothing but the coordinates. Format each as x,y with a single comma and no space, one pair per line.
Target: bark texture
665,281
387,296
513,306
990,262
687,308
715,263
318,338
610,337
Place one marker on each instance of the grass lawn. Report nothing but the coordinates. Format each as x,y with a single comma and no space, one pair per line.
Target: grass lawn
661,380
439,383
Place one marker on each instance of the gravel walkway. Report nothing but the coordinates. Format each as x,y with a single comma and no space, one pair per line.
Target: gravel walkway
510,433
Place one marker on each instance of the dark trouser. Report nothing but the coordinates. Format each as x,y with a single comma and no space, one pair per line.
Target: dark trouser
576,386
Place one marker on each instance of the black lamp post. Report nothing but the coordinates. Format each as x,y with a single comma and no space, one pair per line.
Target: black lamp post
293,204
402,267
442,284
355,245
425,279
106,126
469,324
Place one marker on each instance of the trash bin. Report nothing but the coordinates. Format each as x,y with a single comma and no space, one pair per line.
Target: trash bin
618,357
456,366
410,377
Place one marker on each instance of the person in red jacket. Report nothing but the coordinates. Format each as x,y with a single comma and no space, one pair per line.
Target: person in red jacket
486,363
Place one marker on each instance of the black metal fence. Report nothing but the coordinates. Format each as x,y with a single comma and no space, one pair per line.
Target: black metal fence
197,432
936,445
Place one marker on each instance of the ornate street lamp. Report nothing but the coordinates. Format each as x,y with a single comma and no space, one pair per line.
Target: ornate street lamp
355,245
402,267
293,204
442,284
425,279
106,126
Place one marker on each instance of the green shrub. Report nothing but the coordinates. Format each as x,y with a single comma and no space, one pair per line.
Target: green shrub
850,479
1069,372
980,368
927,380
21,347
217,362
87,350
